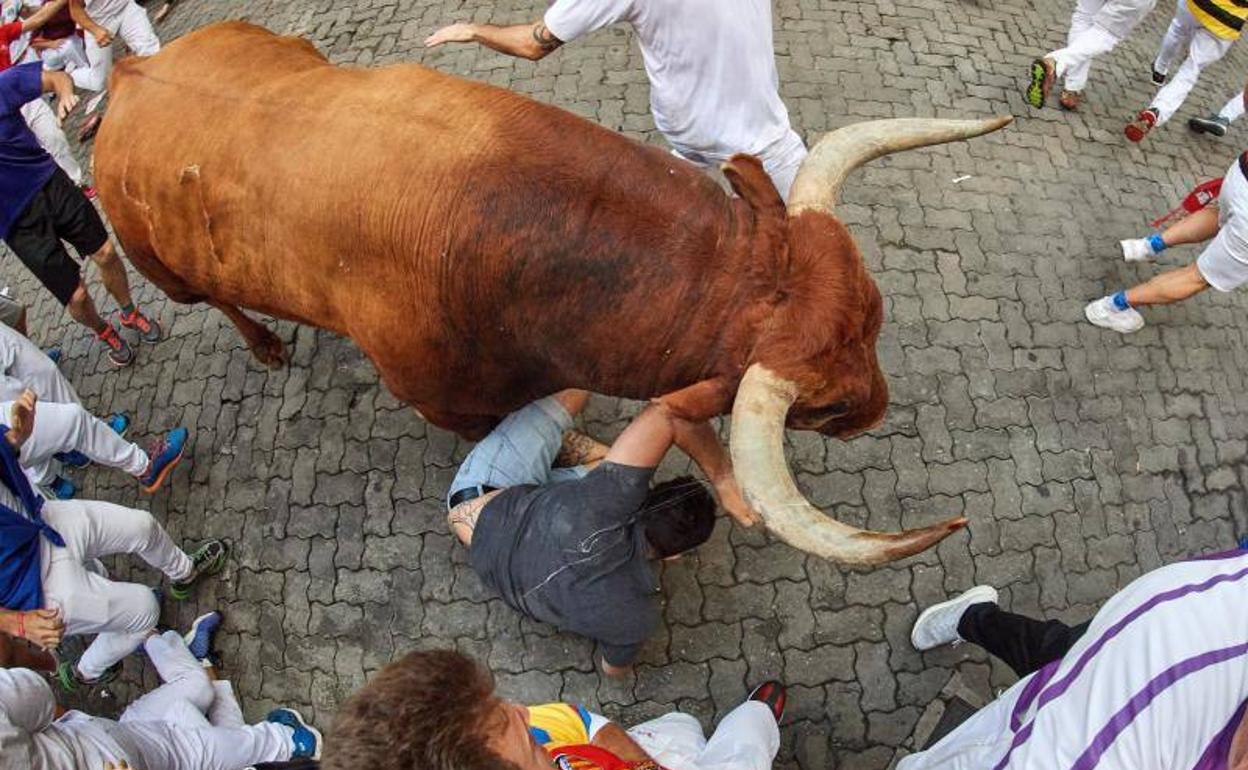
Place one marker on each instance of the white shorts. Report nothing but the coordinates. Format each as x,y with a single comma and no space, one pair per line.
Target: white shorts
1224,262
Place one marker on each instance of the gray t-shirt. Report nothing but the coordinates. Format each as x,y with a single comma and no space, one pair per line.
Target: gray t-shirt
571,554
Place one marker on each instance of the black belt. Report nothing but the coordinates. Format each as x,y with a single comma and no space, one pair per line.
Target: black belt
468,493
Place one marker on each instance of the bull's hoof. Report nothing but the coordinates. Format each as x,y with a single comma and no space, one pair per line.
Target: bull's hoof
270,351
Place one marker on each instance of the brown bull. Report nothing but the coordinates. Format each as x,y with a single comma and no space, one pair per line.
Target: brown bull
484,249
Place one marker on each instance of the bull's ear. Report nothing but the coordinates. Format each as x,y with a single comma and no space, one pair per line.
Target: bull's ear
750,181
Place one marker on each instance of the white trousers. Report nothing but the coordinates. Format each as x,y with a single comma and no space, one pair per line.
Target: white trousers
193,723
781,159
1233,108
1096,26
23,365
69,427
120,614
1203,48
134,29
746,739
42,121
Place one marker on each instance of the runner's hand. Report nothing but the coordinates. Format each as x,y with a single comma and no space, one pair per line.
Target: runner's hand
65,105
21,420
44,627
453,33
103,38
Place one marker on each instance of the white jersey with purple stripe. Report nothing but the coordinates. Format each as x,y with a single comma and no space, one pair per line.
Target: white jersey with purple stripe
1158,682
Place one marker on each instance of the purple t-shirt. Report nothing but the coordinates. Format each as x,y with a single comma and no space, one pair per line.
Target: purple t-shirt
24,165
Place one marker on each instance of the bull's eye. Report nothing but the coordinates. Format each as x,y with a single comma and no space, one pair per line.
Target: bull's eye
835,409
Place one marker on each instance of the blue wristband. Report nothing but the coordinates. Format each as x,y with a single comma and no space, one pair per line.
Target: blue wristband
1156,242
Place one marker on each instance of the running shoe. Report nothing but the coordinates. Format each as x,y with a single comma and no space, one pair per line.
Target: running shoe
1043,73
71,680
938,625
306,738
119,351
772,695
207,560
1144,122
165,454
148,328
1104,313
73,459
62,488
119,423
1214,124
200,635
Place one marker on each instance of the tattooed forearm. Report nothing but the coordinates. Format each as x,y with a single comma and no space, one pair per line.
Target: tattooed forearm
544,39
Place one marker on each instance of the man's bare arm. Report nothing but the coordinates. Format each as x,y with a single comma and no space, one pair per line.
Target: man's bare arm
528,41
644,442
614,739
42,16
78,12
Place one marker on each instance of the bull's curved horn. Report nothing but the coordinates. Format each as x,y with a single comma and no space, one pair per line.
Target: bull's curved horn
757,446
818,182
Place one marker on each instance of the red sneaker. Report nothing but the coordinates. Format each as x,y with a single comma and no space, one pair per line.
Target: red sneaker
772,695
119,351
148,329
1143,123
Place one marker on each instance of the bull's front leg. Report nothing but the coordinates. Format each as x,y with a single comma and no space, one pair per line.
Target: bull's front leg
691,409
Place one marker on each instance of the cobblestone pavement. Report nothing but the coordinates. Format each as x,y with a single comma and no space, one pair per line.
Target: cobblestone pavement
1082,458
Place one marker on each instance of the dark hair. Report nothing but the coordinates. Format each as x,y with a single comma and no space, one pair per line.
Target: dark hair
677,515
428,711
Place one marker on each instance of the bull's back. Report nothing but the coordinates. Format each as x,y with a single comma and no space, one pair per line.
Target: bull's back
244,161
243,167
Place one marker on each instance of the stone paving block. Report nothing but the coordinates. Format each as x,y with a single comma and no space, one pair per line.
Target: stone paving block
1082,458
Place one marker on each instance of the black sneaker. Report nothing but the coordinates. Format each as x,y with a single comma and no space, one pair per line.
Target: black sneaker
1214,124
772,695
119,351
207,560
1158,78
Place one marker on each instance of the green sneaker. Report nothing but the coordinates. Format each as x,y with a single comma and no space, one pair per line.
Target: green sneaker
70,680
207,560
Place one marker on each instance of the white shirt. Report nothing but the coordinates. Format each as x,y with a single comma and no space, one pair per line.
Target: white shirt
31,740
714,90
1179,633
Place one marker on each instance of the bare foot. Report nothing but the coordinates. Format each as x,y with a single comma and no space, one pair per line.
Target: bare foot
734,504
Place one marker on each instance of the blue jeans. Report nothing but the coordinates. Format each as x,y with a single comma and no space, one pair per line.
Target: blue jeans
520,450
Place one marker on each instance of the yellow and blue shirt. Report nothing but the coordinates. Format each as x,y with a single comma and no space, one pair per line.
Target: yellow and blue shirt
554,725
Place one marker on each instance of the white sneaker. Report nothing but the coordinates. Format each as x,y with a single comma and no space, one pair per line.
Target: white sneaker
938,624
1137,250
1102,313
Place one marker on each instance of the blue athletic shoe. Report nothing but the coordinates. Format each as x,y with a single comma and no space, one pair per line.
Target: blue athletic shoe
54,354
165,454
119,423
199,637
73,459
62,488
307,739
